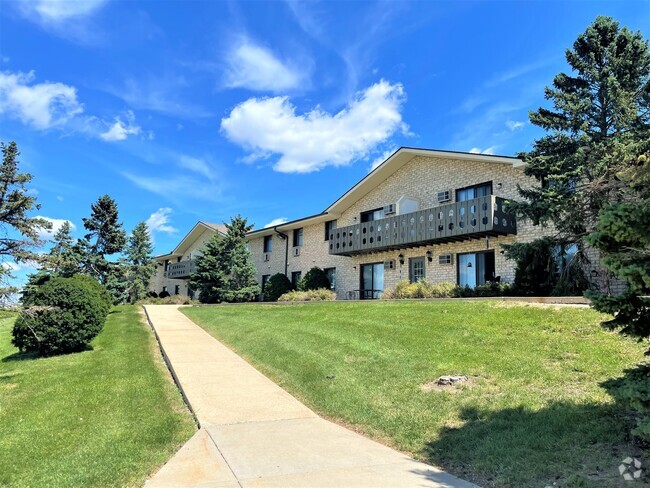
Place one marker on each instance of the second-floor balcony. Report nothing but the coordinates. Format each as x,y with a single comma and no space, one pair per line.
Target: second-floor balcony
458,221
180,270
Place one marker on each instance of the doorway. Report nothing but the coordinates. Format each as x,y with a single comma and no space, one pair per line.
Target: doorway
372,280
475,268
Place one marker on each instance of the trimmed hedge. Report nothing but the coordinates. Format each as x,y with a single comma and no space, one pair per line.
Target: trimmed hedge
423,289
314,279
63,315
277,286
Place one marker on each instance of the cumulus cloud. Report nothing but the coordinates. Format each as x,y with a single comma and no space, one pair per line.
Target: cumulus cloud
59,10
41,105
121,128
256,68
56,225
274,222
514,125
489,150
309,142
159,221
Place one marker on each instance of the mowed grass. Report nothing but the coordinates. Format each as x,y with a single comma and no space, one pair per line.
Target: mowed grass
105,417
531,414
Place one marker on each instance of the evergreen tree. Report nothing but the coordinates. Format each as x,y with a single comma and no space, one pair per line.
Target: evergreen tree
63,258
105,237
599,111
142,267
18,232
224,273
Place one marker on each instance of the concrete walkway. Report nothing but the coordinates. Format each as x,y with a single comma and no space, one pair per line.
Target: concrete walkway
254,434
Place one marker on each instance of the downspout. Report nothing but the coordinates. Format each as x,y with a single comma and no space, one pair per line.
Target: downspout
286,249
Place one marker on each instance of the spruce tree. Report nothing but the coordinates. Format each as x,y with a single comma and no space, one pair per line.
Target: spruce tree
105,237
600,109
19,233
224,272
142,267
63,259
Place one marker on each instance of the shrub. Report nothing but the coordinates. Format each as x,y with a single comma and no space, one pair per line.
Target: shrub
152,294
422,289
64,315
170,300
164,294
632,391
277,286
315,279
320,295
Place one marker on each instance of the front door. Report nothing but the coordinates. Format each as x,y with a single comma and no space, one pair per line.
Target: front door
417,271
372,280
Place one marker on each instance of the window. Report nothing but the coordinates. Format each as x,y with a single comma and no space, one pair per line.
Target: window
297,237
268,243
417,270
475,268
444,259
166,264
331,276
371,215
475,191
564,255
164,288
295,278
330,225
265,279
178,259
177,290
372,280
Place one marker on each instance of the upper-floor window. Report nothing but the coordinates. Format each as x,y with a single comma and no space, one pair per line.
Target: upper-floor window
474,191
166,264
330,225
297,237
268,243
371,215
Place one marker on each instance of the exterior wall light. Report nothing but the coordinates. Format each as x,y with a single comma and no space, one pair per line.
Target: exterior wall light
429,255
401,258
469,265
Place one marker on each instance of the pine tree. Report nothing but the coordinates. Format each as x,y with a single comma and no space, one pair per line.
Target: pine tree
600,110
18,232
224,273
105,237
63,259
142,267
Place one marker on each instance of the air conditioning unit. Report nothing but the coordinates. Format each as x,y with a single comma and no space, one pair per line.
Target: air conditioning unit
296,251
444,196
390,264
267,256
389,209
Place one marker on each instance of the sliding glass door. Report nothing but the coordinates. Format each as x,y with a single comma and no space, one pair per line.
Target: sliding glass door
475,268
372,280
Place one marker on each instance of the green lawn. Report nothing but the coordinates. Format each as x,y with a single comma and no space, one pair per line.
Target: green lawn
106,417
532,414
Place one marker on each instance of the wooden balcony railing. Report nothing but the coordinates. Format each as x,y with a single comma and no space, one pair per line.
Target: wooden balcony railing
458,221
180,270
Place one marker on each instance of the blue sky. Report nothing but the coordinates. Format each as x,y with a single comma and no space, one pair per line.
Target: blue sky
186,111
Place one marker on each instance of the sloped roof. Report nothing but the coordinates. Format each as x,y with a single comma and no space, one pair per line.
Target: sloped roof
394,162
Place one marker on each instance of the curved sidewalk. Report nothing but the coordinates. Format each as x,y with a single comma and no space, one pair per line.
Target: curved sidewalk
254,434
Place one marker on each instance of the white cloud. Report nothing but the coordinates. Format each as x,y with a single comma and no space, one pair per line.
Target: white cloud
514,125
159,221
56,225
59,10
489,150
317,139
177,188
382,157
11,266
274,222
195,164
41,105
121,129
256,68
